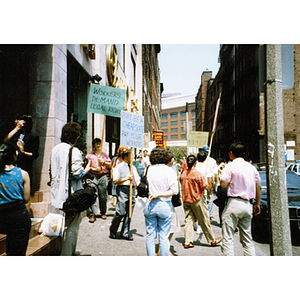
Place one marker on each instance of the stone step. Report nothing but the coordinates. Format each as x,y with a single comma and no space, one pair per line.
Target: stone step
44,246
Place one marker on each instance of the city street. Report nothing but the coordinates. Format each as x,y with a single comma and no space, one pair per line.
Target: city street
93,238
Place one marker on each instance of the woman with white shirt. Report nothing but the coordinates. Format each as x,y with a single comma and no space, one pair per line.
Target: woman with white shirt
158,211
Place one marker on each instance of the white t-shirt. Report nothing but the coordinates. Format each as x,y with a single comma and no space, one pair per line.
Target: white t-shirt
161,179
203,169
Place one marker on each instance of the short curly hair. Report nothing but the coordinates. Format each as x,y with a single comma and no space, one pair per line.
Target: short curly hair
70,132
159,155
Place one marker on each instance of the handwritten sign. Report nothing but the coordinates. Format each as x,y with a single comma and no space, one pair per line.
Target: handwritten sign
158,137
132,130
106,100
197,139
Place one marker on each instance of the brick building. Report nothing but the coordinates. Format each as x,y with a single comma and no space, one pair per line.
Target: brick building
152,88
173,120
241,114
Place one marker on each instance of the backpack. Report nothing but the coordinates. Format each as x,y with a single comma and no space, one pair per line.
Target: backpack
81,199
143,187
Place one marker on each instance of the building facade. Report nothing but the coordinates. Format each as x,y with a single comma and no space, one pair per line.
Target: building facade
51,83
152,89
175,122
241,114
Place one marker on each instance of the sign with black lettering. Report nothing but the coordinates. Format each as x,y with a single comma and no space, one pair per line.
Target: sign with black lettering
197,139
106,100
132,130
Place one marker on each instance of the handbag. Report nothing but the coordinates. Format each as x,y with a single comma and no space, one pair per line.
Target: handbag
143,187
176,200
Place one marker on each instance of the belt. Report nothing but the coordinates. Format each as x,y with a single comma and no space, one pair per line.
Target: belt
250,200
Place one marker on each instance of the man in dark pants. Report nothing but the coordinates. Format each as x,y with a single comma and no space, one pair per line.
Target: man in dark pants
122,178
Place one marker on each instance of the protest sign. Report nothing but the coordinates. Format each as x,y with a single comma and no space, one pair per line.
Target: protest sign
106,100
158,137
132,130
197,139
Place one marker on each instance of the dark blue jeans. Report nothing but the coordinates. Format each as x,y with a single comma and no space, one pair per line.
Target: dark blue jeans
16,224
122,210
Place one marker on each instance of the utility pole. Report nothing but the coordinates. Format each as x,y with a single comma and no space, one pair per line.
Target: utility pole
280,236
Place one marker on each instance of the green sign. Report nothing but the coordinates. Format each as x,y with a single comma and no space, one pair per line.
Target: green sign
106,100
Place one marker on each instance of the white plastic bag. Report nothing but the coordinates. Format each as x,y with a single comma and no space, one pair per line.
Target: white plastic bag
140,202
53,225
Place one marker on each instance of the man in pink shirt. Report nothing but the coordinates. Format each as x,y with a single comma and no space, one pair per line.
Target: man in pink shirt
100,166
244,192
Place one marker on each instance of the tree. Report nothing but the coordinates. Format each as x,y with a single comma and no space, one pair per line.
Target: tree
179,152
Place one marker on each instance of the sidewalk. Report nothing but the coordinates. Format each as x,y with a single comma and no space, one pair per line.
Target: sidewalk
93,238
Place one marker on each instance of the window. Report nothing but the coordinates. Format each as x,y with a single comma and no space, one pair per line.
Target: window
193,121
165,131
174,115
182,114
193,128
174,130
164,117
183,136
182,129
182,122
164,124
174,123
174,137
193,113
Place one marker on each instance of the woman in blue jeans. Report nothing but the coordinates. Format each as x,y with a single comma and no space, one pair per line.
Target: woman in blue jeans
158,211
14,193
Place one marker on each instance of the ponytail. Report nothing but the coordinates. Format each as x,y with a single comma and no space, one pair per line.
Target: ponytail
191,159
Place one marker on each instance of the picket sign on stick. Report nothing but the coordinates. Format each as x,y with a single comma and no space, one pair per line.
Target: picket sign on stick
130,187
132,135
103,129
213,131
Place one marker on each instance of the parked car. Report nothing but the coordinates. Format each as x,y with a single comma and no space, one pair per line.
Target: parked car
260,166
295,167
260,223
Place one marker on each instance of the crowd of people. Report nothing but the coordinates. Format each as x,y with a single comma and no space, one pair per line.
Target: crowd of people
198,181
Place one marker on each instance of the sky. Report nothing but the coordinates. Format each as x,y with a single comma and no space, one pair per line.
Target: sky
181,66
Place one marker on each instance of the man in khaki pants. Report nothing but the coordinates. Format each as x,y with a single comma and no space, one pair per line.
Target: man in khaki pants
243,183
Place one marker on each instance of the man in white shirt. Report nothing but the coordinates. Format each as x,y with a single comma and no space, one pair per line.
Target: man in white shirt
146,157
122,178
212,166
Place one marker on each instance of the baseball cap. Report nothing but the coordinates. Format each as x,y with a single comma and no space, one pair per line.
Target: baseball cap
206,148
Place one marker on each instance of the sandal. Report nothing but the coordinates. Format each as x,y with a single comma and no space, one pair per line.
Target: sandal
190,245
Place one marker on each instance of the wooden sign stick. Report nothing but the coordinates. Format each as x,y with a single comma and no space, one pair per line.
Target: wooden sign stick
130,187
103,129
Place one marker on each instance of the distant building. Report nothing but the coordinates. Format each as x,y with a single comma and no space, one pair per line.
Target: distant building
241,115
173,119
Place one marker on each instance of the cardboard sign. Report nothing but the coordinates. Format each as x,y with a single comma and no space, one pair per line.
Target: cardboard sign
132,130
106,100
197,139
158,137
